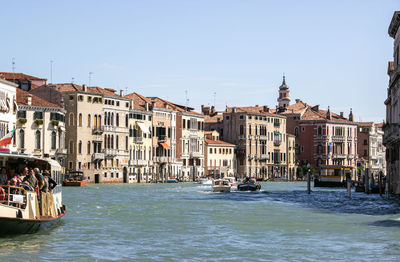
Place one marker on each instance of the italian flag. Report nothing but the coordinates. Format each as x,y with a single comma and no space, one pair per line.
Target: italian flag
6,140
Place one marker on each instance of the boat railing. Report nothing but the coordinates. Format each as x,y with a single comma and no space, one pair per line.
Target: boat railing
13,196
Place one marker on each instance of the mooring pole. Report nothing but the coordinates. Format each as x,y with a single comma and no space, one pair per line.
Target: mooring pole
386,187
380,183
308,182
348,178
366,180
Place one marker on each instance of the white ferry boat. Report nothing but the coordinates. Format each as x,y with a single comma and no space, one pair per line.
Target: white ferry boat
21,210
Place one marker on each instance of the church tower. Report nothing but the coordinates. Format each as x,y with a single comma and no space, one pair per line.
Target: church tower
283,99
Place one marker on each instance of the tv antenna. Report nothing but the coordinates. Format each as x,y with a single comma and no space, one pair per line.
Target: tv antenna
72,80
215,94
186,98
13,64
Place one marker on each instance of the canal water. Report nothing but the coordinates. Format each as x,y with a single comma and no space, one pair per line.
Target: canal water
187,222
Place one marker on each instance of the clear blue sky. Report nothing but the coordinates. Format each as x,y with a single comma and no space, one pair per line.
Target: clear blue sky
332,52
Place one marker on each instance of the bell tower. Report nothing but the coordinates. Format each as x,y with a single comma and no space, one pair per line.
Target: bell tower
283,99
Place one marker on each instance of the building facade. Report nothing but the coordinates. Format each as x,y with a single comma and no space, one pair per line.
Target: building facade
291,157
40,127
220,160
261,140
391,137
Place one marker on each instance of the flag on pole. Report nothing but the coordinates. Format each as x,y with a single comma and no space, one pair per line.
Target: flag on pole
6,140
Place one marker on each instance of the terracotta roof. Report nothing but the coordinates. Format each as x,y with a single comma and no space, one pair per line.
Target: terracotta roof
365,123
19,76
380,125
217,142
311,114
162,103
139,101
213,119
251,109
22,99
69,87
297,108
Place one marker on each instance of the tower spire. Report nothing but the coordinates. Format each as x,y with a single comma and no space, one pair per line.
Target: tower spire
284,98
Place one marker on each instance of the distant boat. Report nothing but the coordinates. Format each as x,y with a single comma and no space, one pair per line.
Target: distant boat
249,185
75,178
205,181
172,180
221,185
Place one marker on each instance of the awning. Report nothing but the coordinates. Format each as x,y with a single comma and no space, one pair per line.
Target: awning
165,146
277,133
143,127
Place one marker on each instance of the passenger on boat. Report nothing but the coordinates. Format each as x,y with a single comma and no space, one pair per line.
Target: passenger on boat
39,178
30,179
3,176
50,183
11,173
15,180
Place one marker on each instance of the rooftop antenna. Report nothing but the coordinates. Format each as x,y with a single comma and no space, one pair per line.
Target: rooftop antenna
51,71
13,64
90,77
186,98
72,80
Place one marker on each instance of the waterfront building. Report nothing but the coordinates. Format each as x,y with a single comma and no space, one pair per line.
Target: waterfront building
291,157
96,129
8,111
40,128
260,137
371,151
140,139
220,160
322,138
24,81
391,137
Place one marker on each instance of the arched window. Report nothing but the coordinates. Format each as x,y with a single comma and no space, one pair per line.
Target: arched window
296,132
88,147
241,130
117,119
80,147
71,119
105,119
117,141
80,119
89,119
126,142
112,119
320,131
37,139
21,138
126,120
95,121
112,141
99,121
53,139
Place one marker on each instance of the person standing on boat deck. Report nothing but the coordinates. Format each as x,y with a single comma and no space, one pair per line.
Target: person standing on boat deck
3,176
30,179
11,173
39,178
24,173
50,183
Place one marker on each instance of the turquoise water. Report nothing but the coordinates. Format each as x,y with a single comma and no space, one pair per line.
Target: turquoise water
187,222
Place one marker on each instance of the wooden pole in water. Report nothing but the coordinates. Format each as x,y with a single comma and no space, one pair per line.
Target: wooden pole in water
348,178
386,187
308,182
366,181
380,183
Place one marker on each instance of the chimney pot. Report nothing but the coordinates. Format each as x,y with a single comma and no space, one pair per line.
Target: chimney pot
84,88
341,114
121,92
29,99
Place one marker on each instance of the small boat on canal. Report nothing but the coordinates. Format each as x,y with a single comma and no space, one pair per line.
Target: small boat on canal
248,185
221,185
205,181
173,180
75,178
332,176
21,210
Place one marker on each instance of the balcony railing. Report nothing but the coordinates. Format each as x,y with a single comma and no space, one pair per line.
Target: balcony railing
61,151
162,138
162,159
98,130
263,137
242,137
138,162
196,154
138,140
110,152
97,156
339,156
277,143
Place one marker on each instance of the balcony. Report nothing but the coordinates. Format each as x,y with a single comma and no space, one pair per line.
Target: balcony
263,158
250,157
61,151
196,154
350,156
242,137
162,138
110,152
263,137
392,133
339,156
98,130
277,142
138,140
97,156
137,162
338,138
162,159
277,124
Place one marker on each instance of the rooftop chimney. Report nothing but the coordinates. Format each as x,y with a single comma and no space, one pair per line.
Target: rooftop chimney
147,106
298,100
62,102
29,99
266,109
341,114
351,115
315,108
121,92
84,88
328,114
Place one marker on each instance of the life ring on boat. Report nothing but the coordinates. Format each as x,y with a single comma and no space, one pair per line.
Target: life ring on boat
2,194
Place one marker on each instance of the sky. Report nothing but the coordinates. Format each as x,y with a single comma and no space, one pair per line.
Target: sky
227,53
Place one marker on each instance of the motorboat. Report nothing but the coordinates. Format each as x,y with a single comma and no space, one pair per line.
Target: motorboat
75,178
221,185
205,181
173,180
21,210
249,185
232,181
